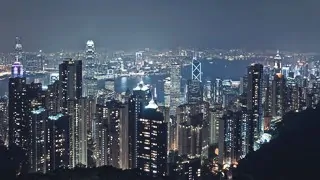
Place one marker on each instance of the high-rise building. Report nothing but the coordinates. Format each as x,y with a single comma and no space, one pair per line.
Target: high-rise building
90,52
254,103
196,69
101,136
18,49
40,148
278,95
217,91
17,70
207,94
34,62
152,142
190,136
215,117
90,86
277,63
167,88
70,76
78,111
19,117
52,101
141,95
58,128
229,138
113,133
243,84
175,74
124,137
195,92
4,123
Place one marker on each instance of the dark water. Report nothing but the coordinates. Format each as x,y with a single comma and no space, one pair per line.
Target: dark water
218,69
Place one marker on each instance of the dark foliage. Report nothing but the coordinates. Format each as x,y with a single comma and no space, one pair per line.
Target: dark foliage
11,161
293,154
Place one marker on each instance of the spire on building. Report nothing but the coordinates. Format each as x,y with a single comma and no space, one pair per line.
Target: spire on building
278,57
152,104
194,55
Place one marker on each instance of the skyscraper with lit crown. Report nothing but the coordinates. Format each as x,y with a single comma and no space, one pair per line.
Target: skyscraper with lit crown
152,141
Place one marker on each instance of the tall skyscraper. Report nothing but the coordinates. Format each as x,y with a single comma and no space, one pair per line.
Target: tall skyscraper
217,91
152,142
195,92
19,109
40,148
277,63
278,95
58,128
167,88
254,103
70,76
52,101
90,52
77,110
4,119
112,123
229,138
18,49
196,69
141,96
175,74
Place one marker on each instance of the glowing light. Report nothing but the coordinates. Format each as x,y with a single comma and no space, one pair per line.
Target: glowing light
152,105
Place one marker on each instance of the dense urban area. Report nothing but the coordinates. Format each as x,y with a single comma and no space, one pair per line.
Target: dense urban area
63,116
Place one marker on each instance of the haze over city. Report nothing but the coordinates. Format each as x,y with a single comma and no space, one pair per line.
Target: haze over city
159,89
127,24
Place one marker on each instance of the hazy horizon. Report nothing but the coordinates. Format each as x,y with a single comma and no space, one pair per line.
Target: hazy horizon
127,24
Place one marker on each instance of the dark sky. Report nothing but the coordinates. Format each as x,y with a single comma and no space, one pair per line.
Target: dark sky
56,24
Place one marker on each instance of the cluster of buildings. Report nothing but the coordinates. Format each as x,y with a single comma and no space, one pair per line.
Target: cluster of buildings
68,124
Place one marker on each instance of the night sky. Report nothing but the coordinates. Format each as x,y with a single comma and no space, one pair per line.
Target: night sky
127,24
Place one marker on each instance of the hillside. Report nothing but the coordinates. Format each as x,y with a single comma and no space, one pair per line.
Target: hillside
294,154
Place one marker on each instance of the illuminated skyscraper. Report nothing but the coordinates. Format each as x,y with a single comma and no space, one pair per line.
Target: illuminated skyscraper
4,119
277,63
175,76
90,52
58,128
140,98
278,95
52,101
196,69
254,103
152,142
40,150
230,138
217,91
167,88
78,111
19,117
109,135
113,133
18,49
17,70
195,92
190,136
208,91
70,76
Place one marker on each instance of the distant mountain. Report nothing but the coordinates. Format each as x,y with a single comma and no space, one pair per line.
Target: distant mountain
294,154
